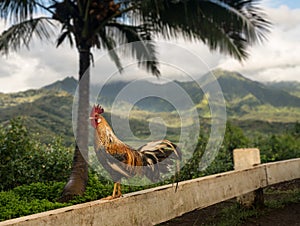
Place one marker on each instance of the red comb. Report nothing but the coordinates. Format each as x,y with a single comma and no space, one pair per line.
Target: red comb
97,109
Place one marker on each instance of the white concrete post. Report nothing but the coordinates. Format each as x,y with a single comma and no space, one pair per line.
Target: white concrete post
244,159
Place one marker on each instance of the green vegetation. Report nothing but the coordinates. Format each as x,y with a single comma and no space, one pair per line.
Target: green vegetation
25,160
36,163
13,205
253,106
45,113
273,147
42,196
38,197
237,215
33,174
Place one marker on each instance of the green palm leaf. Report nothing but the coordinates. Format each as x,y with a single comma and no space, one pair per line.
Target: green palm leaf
229,26
142,47
21,34
19,10
109,44
65,34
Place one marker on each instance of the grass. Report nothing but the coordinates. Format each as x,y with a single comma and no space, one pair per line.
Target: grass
231,213
275,199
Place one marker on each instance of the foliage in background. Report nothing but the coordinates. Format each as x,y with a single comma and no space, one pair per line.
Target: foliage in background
234,138
45,113
33,173
278,147
25,160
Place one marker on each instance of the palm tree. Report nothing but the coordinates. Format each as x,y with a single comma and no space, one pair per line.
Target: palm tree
229,26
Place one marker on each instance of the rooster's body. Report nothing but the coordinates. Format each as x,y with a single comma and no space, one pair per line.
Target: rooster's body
122,161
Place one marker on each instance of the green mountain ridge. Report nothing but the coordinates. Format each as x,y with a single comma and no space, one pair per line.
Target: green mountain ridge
45,112
292,87
69,85
251,104
235,88
245,99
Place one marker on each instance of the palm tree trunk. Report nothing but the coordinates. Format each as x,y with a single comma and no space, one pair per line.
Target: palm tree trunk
77,182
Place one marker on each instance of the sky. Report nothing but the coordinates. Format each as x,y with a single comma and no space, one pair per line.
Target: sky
275,60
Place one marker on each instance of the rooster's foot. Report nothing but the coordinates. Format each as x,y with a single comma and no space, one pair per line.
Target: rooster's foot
111,197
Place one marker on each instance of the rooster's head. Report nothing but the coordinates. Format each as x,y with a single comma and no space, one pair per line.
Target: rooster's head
95,115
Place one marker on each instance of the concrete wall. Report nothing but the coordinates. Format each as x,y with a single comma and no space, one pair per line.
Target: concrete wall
284,171
153,206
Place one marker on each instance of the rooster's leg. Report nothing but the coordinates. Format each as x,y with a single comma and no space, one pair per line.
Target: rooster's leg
119,194
116,192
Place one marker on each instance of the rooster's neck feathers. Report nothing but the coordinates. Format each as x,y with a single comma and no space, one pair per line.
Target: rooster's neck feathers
105,135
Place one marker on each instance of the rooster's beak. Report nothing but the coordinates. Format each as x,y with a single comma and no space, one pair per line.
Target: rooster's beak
92,117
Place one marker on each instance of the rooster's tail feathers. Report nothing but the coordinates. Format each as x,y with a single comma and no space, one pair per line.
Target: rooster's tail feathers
158,156
160,150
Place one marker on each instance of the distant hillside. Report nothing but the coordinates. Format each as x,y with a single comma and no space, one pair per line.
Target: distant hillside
244,97
235,86
253,105
157,95
237,90
290,87
47,113
69,85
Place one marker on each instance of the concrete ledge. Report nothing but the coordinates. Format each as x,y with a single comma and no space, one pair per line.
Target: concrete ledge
153,206
282,171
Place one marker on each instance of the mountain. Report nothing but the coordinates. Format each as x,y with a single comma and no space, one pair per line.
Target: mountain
237,91
292,87
244,87
250,104
245,99
147,96
69,85
45,112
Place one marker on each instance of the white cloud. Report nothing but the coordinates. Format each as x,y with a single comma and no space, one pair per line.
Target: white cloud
40,66
279,57
177,60
276,59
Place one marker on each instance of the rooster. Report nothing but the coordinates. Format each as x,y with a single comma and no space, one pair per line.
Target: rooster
122,161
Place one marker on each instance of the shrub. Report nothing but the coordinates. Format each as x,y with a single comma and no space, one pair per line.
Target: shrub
30,199
23,159
234,138
40,190
278,147
39,197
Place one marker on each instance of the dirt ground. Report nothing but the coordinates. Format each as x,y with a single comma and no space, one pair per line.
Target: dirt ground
288,215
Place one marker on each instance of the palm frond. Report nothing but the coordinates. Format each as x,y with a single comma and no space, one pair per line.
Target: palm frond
65,34
109,44
22,33
141,45
18,10
227,25
249,18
